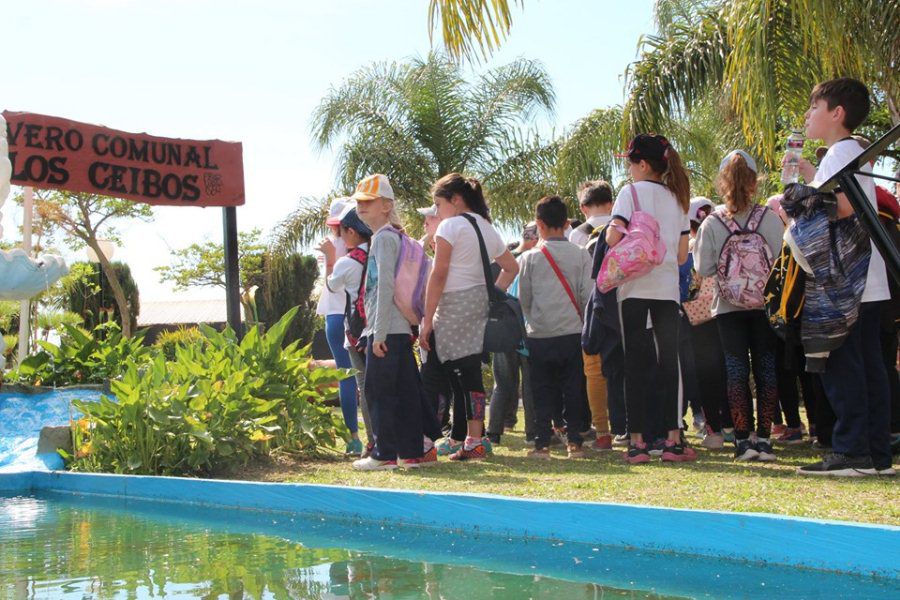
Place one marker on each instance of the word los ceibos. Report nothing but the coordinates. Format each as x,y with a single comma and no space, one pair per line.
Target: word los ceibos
149,178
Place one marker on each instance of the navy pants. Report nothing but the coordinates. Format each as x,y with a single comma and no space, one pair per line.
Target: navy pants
857,388
557,381
394,394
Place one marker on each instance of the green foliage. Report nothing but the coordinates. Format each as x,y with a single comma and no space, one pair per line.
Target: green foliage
471,29
168,341
216,405
9,315
12,341
91,295
81,357
289,283
204,264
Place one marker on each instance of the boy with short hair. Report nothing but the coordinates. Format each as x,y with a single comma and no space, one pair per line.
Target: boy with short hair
855,380
554,287
595,199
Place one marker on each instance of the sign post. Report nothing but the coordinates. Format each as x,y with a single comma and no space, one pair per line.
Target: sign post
232,271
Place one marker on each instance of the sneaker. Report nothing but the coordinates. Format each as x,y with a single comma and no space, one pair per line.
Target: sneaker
493,438
728,434
778,429
764,450
575,450
622,439
791,436
488,444
429,459
558,437
835,464
542,453
656,449
887,471
673,452
478,452
447,446
637,454
589,435
699,424
603,443
713,440
368,450
373,464
354,448
744,451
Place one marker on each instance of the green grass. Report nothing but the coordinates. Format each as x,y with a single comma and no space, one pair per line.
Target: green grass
714,482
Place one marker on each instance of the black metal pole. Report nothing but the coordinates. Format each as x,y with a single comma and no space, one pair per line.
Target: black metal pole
232,271
869,218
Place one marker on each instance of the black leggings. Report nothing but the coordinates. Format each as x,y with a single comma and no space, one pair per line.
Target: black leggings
467,392
746,334
646,405
709,362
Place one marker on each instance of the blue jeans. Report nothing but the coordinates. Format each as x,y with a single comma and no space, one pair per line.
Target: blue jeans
334,332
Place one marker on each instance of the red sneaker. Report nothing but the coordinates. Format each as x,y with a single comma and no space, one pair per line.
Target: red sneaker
603,443
479,452
429,459
678,453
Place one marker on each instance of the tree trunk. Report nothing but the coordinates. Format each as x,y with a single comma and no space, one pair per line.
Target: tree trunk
118,292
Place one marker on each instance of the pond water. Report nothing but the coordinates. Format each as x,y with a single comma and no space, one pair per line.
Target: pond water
65,546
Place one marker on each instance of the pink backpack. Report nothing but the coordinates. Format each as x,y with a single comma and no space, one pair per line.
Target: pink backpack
744,261
410,278
636,254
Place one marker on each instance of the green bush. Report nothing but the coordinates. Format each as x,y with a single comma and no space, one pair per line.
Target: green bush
215,406
81,357
92,296
168,341
289,282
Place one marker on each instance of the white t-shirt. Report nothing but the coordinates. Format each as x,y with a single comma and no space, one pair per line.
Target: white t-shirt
834,160
581,238
345,279
655,199
466,268
331,303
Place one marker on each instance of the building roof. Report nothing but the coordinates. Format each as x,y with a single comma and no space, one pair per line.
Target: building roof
173,312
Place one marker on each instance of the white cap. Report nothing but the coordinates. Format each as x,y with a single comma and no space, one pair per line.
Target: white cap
698,203
336,210
372,187
430,211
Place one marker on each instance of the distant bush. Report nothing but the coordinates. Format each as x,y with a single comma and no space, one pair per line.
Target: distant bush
216,405
290,282
92,296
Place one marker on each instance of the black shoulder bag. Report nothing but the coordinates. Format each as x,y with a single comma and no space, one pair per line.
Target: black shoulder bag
503,332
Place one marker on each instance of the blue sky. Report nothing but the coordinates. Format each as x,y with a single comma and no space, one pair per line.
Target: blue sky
253,72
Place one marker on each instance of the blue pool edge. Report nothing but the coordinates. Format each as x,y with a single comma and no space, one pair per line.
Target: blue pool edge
835,546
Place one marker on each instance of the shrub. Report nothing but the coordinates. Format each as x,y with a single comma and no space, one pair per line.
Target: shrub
289,282
167,341
215,406
92,296
81,357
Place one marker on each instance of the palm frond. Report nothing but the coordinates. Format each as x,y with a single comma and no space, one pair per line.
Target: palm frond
588,150
301,228
471,29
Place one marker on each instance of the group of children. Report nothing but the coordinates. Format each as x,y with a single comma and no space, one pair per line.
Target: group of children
615,367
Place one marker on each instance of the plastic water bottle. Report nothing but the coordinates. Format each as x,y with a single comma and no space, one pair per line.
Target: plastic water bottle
794,146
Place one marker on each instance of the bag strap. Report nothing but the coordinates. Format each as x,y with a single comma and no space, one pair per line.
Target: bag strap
756,217
634,198
485,261
562,280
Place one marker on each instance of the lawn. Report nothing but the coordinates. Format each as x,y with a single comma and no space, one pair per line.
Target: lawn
714,482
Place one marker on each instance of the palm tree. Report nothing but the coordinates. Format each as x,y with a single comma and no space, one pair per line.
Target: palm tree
471,29
764,56
418,120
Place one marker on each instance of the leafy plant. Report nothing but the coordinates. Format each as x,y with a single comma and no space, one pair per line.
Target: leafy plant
168,341
91,295
218,404
82,356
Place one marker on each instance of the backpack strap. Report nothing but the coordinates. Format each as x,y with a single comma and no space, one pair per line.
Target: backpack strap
562,280
634,198
485,261
722,216
756,217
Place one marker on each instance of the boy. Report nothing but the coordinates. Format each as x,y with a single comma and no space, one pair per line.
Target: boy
595,199
554,287
855,380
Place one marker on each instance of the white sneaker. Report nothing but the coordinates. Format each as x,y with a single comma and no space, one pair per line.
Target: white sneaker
713,441
373,464
621,439
888,471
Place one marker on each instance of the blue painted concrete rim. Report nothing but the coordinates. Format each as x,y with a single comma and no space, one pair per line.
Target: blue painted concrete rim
835,546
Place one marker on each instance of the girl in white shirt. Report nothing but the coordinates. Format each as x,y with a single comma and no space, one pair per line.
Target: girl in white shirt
456,305
662,188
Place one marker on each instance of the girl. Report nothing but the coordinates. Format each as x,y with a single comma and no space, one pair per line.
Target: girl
392,385
744,333
331,306
662,189
456,304
345,276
